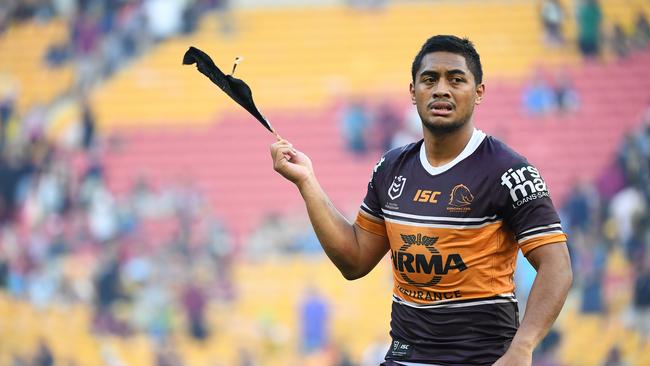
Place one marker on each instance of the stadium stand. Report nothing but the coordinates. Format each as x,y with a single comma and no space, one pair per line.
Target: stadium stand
203,158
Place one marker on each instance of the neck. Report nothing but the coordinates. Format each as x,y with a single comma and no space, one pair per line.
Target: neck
441,148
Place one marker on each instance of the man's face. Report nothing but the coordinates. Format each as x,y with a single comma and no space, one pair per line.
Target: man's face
445,92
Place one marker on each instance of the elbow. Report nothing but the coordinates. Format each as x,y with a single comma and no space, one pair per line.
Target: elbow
352,275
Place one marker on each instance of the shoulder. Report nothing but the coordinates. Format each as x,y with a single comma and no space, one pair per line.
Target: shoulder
499,155
396,157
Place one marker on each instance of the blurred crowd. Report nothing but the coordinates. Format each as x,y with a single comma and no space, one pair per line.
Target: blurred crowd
66,238
593,35
608,221
104,35
158,259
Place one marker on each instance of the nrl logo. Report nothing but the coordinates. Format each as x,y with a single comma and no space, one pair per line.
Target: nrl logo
397,187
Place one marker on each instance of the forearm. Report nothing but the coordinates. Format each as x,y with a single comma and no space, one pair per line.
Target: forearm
545,301
335,233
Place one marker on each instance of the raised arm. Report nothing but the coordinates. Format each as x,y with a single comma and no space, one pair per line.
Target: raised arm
354,251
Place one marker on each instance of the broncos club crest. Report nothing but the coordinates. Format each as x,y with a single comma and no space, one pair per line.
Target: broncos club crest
460,199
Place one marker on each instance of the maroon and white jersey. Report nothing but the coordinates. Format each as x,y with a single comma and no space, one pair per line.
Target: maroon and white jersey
454,234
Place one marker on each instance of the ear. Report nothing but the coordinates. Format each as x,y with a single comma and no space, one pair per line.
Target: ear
480,92
412,91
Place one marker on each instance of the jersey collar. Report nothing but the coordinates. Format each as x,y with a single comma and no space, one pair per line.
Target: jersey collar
477,138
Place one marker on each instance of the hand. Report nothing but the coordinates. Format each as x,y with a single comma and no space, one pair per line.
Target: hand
515,356
291,163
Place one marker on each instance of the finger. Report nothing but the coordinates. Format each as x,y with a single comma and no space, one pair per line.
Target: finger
282,143
285,143
285,151
278,144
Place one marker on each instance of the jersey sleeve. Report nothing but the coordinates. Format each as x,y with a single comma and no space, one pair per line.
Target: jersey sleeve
527,208
370,217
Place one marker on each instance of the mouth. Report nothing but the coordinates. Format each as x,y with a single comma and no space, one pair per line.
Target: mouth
440,108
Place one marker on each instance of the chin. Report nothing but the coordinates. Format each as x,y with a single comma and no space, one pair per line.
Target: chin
439,127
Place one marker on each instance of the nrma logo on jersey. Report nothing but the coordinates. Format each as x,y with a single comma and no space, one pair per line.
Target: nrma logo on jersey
525,184
420,264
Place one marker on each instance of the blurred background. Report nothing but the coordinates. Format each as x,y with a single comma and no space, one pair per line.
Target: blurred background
141,222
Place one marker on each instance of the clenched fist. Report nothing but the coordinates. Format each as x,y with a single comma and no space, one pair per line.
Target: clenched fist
291,163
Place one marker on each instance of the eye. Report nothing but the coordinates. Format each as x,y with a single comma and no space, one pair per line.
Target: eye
457,80
427,79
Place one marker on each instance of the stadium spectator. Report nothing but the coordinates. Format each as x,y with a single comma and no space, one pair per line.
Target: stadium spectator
386,123
314,321
641,35
85,39
194,302
4,270
225,19
108,287
88,125
15,169
614,357
580,207
547,353
593,275
19,360
43,355
589,18
7,108
567,99
538,97
411,130
5,15
164,17
641,300
552,16
626,207
354,123
166,354
619,41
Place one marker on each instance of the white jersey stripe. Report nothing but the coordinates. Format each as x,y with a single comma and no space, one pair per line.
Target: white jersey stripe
440,226
538,235
369,211
439,218
455,305
542,227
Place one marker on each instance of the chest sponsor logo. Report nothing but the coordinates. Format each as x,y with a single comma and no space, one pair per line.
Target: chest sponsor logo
420,264
425,195
460,199
525,184
397,187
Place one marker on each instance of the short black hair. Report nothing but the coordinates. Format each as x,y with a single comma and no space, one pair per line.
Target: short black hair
453,44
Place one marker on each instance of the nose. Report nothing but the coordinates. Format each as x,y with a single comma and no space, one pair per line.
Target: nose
441,89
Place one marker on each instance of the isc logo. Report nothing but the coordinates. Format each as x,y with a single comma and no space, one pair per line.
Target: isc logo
424,195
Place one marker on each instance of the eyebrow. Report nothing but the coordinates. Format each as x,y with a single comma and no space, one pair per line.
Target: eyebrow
449,72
